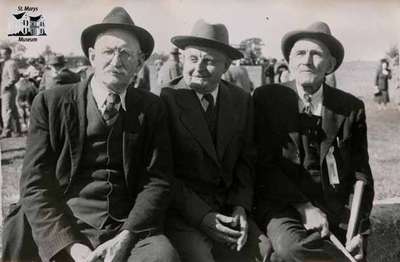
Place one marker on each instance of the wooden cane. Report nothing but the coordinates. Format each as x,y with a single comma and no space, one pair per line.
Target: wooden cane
342,248
355,210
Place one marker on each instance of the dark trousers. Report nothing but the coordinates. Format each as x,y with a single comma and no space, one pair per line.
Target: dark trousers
194,246
293,243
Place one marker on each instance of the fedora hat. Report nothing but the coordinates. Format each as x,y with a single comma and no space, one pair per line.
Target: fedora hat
208,35
120,19
319,31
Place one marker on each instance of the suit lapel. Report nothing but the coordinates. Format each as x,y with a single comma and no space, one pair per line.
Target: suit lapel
331,120
130,129
193,119
226,119
75,116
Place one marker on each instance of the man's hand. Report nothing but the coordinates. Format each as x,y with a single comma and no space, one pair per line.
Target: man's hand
114,249
240,222
217,226
313,218
356,247
79,252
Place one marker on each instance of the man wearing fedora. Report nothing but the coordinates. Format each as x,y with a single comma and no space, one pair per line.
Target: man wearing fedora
211,127
312,145
58,74
95,179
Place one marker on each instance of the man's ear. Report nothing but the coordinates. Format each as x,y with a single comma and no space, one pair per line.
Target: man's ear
91,55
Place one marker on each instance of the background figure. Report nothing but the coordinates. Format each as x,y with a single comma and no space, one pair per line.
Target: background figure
171,69
330,80
83,69
143,78
33,73
26,92
58,74
239,76
282,73
9,77
269,71
383,74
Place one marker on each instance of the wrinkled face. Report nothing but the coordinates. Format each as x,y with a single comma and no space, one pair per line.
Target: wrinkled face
309,62
203,68
116,57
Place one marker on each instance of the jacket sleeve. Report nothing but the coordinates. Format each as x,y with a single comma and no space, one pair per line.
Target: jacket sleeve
41,195
362,168
148,213
242,189
274,189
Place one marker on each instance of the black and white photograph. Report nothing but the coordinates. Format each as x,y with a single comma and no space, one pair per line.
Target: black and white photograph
200,131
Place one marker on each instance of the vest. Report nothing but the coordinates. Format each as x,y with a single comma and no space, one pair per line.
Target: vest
100,192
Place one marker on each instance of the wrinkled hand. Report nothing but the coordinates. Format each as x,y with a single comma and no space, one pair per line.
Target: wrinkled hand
313,218
217,226
356,247
79,252
114,249
240,222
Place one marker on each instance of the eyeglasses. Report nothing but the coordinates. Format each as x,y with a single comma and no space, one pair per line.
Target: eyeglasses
124,54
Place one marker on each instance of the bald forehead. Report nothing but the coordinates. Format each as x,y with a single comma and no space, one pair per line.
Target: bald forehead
310,44
118,37
201,50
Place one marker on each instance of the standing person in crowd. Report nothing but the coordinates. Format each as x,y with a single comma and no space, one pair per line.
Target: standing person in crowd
211,125
95,181
33,73
269,71
58,74
9,111
312,145
238,76
383,74
171,69
282,74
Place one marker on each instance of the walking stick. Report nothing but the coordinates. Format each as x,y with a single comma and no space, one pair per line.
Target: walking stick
355,209
340,246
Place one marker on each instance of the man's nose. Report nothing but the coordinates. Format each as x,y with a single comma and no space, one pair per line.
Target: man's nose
307,58
200,66
116,60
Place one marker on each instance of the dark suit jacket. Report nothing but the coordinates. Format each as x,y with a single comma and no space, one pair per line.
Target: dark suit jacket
208,177
52,162
281,180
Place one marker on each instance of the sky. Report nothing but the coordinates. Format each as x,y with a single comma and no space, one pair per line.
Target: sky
366,28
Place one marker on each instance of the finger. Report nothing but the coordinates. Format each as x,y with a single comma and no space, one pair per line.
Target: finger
359,256
223,238
228,231
224,219
244,230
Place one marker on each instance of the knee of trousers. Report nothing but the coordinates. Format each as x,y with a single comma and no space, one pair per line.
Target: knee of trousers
288,250
161,251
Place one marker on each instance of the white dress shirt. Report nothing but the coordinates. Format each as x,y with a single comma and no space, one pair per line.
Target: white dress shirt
203,102
100,93
316,100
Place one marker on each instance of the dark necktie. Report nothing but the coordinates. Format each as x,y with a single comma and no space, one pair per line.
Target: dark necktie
210,113
307,104
111,111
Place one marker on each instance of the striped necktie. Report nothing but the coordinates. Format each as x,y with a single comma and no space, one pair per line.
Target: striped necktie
111,111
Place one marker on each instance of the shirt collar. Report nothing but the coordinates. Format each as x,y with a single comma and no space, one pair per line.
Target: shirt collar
213,93
315,98
100,93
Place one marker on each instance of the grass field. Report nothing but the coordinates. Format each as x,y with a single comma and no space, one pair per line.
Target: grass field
354,77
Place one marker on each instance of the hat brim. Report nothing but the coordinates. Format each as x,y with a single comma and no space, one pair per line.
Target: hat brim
335,47
183,41
89,35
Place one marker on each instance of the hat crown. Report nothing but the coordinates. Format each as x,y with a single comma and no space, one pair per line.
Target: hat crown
118,15
215,32
319,27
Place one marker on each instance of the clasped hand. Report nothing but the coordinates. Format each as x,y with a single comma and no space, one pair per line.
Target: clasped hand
230,230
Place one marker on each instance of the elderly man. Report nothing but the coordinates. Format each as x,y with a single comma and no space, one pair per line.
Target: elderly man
9,110
95,184
312,142
211,125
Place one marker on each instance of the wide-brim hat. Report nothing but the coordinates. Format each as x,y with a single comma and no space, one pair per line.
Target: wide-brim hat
120,19
208,35
319,31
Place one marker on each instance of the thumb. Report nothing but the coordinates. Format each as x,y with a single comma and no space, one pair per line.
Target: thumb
324,230
224,219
